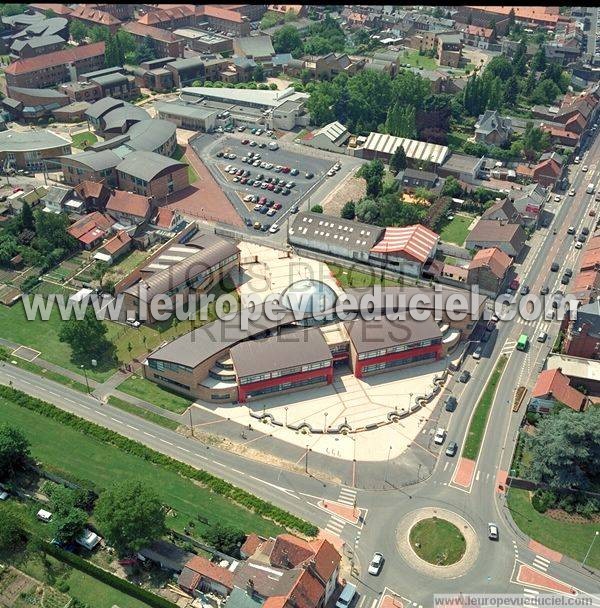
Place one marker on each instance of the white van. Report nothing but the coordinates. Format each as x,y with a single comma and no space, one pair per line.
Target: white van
590,189
346,596
273,145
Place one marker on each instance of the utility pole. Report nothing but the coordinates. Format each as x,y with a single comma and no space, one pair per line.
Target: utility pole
191,423
87,384
306,461
386,466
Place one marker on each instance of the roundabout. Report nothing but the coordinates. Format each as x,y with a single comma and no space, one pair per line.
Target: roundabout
437,542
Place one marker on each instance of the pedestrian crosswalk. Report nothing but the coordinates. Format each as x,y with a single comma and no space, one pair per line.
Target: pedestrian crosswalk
347,496
530,592
541,563
335,525
508,347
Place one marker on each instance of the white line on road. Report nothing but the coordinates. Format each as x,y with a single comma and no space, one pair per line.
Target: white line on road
102,414
165,441
374,602
236,471
115,419
133,427
184,449
446,465
477,476
149,434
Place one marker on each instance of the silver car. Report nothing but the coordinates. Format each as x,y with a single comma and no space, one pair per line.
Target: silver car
376,564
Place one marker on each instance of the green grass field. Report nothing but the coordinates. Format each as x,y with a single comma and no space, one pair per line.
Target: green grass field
419,61
51,375
572,539
83,139
102,464
478,422
142,413
456,231
437,541
355,278
148,391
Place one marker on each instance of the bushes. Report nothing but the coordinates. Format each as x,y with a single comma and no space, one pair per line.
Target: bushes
542,500
106,577
219,486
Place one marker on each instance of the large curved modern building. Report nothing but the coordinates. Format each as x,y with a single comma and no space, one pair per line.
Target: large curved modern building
226,362
31,149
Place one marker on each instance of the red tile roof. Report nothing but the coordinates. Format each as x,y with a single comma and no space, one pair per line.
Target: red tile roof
117,242
252,542
537,13
211,571
218,13
129,203
95,220
33,64
493,258
327,559
155,33
88,188
415,242
307,592
591,257
94,15
484,32
290,551
168,14
553,384
59,9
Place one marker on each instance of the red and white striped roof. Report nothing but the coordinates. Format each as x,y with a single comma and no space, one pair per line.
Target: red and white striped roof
415,242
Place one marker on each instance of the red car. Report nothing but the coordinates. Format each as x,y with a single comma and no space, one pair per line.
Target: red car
277,206
285,170
245,141
271,187
17,190
262,200
514,284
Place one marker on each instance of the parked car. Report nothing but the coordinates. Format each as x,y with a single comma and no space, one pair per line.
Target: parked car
544,290
450,403
294,209
478,352
555,266
376,564
571,230
464,377
274,228
585,230
524,290
309,175
565,279
578,245
452,448
440,436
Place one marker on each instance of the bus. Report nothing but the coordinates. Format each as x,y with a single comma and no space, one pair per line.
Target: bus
523,342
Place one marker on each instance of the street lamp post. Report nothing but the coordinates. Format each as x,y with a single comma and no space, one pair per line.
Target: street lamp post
590,549
325,427
87,384
409,401
286,409
306,460
386,466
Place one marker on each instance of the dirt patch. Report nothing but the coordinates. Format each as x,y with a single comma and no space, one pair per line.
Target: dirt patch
14,583
253,453
349,189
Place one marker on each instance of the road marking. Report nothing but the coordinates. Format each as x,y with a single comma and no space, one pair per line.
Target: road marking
446,465
374,602
53,393
133,427
149,434
114,419
477,476
531,592
183,449
541,563
165,441
236,471
85,407
338,519
362,601
101,414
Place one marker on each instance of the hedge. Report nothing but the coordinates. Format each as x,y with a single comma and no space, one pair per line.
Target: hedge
139,593
219,486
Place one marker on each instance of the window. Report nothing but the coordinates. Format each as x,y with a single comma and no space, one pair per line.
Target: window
173,382
162,366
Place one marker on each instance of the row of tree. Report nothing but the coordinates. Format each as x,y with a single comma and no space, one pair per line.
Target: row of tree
325,36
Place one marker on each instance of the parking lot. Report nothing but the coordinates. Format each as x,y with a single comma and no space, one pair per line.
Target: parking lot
267,188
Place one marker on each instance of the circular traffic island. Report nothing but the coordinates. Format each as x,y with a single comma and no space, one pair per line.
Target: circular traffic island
437,541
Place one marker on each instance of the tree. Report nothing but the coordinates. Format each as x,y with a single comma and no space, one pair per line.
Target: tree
225,539
78,31
12,528
452,188
372,173
258,73
67,525
367,210
87,338
565,450
538,61
535,141
511,91
317,209
111,53
398,161
545,92
26,217
287,40
130,515
14,450
348,211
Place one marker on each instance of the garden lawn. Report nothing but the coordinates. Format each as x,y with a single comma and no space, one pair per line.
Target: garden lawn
102,464
81,140
572,539
440,542
480,416
457,230
148,391
419,61
354,278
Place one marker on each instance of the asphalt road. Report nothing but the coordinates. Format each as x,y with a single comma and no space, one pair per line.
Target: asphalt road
480,504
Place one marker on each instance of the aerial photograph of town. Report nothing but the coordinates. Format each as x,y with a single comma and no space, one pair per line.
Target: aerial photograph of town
299,306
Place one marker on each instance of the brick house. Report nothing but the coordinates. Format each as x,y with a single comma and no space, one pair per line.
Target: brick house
128,208
93,17
508,237
553,387
582,337
489,269
166,44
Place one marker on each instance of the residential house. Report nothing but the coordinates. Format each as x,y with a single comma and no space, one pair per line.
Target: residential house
449,49
529,203
583,373
475,35
582,338
547,172
32,47
114,248
224,19
92,166
94,194
167,220
493,129
561,136
503,211
508,237
55,198
553,387
91,229
200,575
414,178
128,208
170,18
489,270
